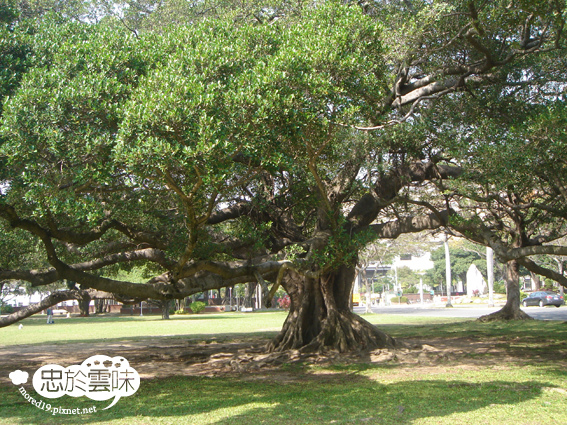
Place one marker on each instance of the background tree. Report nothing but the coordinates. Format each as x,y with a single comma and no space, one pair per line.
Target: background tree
384,253
509,197
462,257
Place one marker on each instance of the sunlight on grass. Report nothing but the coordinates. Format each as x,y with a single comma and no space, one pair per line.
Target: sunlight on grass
225,325
510,391
226,414
96,328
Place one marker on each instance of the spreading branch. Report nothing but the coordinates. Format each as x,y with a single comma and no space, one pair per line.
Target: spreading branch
533,267
49,301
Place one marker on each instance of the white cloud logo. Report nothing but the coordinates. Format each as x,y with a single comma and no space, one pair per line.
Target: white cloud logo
98,377
19,377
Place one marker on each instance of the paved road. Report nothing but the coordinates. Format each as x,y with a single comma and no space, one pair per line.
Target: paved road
541,313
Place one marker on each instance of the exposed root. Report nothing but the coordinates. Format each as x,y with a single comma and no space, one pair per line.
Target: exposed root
320,320
505,314
339,332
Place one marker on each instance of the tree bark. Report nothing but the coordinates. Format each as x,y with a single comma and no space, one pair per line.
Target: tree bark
49,301
511,311
249,294
560,270
99,305
165,304
320,318
84,303
368,292
179,304
536,281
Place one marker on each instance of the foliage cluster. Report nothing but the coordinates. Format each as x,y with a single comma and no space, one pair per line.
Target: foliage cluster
399,300
197,307
208,143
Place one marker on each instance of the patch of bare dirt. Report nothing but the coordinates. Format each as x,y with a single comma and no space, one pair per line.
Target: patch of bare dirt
163,357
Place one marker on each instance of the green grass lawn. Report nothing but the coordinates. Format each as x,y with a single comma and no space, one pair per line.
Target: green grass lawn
374,396
529,389
66,330
97,328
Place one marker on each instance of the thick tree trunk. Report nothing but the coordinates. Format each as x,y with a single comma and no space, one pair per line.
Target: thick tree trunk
560,270
180,304
84,302
511,311
225,297
165,305
368,292
536,281
320,318
249,294
99,305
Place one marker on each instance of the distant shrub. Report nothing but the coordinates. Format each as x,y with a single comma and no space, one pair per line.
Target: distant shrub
7,309
399,300
499,287
197,307
548,285
181,311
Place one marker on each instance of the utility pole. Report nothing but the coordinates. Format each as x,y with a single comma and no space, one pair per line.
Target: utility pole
396,288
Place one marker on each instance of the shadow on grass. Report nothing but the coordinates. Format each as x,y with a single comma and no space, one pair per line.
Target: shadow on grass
285,398
341,394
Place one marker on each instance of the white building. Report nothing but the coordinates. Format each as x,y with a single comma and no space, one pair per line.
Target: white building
414,262
417,263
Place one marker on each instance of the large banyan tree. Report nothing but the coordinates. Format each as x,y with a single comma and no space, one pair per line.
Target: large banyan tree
225,152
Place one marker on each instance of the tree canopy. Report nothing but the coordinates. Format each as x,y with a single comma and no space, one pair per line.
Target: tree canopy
221,150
